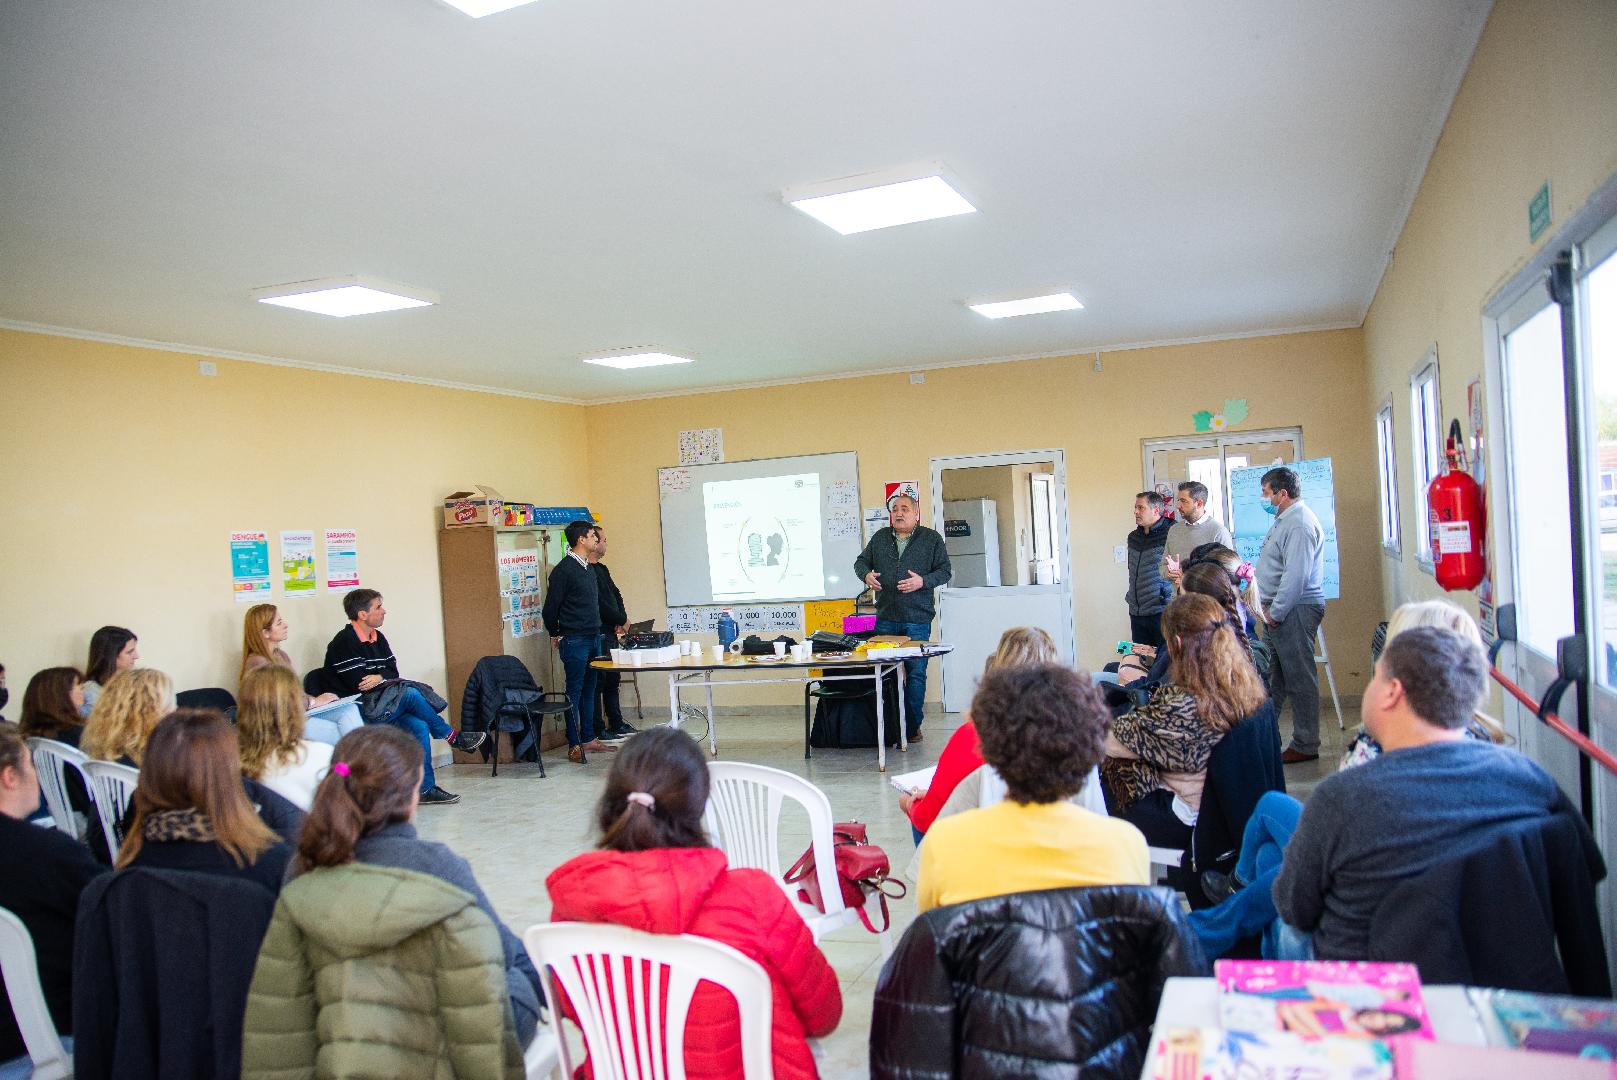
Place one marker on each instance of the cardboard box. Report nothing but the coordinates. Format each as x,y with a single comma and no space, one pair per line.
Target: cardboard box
518,515
463,509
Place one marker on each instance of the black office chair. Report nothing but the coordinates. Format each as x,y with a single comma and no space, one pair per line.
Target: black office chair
208,697
501,693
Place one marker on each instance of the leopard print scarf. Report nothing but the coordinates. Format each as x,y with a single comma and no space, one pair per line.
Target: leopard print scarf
187,824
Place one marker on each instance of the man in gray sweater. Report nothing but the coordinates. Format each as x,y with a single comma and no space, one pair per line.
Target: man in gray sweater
903,563
1432,790
1290,580
1194,528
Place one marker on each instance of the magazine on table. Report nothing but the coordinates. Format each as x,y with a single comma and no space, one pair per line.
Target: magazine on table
1550,1022
1320,998
1417,1059
1212,1054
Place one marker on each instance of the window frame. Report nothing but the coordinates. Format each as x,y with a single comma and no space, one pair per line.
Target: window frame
1428,466
1392,536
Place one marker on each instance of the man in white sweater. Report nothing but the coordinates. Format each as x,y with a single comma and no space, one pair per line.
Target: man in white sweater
1194,528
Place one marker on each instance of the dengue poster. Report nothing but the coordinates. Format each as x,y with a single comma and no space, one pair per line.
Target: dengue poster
250,566
342,560
297,563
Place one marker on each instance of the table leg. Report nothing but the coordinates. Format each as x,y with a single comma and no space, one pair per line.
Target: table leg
903,721
881,725
712,728
673,701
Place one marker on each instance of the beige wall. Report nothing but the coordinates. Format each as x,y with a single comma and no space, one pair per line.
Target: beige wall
125,472
1539,102
1098,419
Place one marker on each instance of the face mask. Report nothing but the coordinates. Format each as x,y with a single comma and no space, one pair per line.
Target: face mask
1271,509
5,696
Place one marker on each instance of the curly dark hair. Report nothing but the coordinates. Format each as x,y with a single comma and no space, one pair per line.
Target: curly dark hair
1043,727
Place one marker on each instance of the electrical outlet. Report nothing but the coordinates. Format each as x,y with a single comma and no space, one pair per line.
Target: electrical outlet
1120,554
207,367
917,377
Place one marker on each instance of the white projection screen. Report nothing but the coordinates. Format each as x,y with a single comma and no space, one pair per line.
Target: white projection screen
770,530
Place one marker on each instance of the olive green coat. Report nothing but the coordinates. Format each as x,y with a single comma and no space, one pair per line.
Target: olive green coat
374,971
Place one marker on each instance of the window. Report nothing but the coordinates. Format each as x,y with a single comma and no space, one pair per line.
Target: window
1426,411
1387,458
1211,459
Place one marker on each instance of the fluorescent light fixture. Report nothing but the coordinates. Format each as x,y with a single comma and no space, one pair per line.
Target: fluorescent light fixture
637,358
341,297
1033,305
478,8
856,204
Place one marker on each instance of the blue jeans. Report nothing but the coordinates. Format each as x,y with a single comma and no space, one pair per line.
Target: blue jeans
577,650
416,717
1251,910
333,725
914,670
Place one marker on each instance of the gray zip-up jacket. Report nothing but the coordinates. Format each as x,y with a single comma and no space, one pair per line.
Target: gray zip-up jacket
926,554
1291,564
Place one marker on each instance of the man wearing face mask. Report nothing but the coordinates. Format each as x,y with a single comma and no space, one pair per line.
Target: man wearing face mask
1290,580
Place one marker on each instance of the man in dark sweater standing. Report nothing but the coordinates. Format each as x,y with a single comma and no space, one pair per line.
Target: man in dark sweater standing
1148,593
614,622
360,660
904,563
572,614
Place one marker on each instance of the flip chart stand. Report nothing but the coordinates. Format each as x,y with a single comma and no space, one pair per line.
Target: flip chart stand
1324,657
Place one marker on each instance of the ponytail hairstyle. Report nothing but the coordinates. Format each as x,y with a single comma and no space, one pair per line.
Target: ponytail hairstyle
375,775
1207,661
259,618
655,794
1212,580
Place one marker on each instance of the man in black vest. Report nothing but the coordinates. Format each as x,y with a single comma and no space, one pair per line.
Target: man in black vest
572,615
614,621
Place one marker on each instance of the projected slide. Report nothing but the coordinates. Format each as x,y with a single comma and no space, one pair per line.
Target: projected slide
763,537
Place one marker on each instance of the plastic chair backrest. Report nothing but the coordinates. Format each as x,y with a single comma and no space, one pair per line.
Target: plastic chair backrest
52,759
991,789
18,965
743,817
621,981
112,786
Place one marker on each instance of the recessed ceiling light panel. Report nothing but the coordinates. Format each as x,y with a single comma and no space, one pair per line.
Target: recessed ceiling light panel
341,297
478,8
857,204
638,358
1032,305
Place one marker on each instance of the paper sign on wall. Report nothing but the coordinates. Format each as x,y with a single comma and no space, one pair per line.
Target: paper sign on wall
875,520
750,619
297,563
673,481
519,572
895,488
825,615
342,560
702,446
1251,525
249,566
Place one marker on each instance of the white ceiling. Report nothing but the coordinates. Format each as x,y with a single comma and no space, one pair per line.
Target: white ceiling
582,175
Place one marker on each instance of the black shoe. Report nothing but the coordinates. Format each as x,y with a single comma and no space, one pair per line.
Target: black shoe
438,797
1220,887
613,736
623,727
467,741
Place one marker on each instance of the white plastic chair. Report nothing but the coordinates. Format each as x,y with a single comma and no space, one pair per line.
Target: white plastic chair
743,817
52,759
620,981
539,1060
112,786
18,965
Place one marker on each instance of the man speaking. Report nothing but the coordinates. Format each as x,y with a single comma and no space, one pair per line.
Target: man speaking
903,563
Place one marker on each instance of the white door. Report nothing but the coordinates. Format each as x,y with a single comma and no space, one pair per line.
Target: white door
972,619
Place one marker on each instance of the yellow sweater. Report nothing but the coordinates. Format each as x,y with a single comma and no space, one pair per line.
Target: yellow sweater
1012,848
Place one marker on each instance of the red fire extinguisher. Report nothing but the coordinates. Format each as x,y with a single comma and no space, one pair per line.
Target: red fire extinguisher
1459,521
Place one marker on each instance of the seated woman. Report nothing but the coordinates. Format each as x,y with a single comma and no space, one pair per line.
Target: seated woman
52,706
190,810
1156,754
125,714
112,649
364,812
270,731
656,871
1243,899
42,873
1043,728
264,631
961,756
1147,668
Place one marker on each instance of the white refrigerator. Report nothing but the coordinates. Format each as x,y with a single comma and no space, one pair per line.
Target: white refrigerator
971,535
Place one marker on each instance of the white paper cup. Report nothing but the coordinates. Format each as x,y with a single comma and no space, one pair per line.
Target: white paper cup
621,656
718,653
780,648
685,647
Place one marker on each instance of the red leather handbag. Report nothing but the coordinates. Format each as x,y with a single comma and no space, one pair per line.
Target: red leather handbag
862,869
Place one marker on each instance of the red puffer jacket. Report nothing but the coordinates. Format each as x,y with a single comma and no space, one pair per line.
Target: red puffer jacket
693,891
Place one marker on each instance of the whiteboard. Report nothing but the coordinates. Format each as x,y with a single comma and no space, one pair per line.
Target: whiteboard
771,530
1252,524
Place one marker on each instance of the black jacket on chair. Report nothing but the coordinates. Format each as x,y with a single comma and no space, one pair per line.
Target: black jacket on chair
161,965
1499,913
1244,766
1036,985
485,693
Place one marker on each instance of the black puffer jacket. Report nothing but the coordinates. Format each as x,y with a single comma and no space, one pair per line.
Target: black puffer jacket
1036,985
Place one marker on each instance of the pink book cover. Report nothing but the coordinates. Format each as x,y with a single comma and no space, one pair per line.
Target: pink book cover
1417,1060
1319,998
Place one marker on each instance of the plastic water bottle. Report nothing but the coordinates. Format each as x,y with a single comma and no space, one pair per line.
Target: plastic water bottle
728,631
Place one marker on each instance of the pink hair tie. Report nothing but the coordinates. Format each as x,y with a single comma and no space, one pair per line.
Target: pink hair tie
643,799
340,768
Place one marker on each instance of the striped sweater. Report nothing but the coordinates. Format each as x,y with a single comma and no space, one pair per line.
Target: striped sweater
348,659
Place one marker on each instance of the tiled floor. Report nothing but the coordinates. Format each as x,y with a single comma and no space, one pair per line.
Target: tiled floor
516,828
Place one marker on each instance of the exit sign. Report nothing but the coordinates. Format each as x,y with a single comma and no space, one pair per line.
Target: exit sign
1538,213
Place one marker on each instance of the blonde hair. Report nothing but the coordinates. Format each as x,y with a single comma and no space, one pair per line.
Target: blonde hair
269,718
1022,645
259,618
130,706
1445,615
